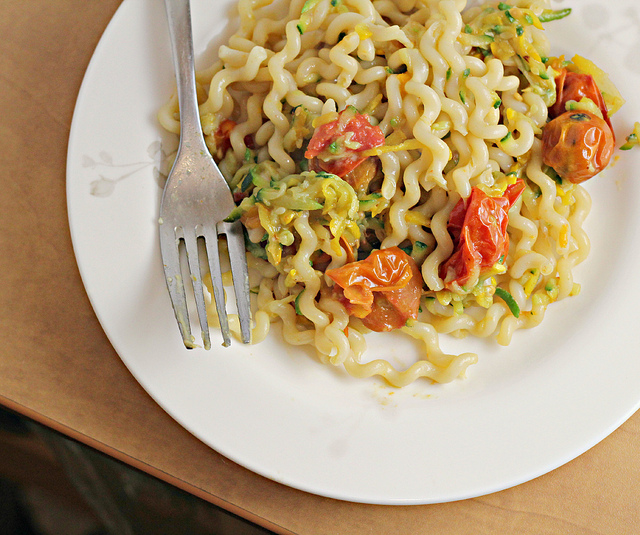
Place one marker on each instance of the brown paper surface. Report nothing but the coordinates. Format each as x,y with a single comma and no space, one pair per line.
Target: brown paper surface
57,366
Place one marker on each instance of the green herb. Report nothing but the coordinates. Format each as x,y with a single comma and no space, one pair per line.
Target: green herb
632,141
519,30
580,117
535,189
255,249
548,14
463,98
509,16
551,173
528,18
369,202
309,4
247,181
468,29
418,250
506,138
449,72
503,7
235,214
466,72
509,300
497,103
297,303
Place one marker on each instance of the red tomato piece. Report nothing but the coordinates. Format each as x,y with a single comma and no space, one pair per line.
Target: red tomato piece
222,136
341,167
384,289
577,145
479,231
338,145
576,86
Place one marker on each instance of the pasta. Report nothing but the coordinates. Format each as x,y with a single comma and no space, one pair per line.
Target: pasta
372,129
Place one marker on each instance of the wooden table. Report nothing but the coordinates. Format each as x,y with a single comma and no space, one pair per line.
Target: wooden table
57,366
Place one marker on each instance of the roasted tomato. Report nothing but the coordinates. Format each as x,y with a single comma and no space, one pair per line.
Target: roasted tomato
358,178
338,145
576,86
222,136
384,289
479,231
578,145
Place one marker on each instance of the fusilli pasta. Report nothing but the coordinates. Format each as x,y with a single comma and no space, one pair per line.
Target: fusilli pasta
460,98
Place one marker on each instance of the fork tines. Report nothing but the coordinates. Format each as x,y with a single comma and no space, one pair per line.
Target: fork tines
170,237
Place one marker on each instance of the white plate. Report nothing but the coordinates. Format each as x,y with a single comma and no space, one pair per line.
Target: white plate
524,410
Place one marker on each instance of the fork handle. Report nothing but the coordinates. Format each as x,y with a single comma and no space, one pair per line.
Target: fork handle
180,33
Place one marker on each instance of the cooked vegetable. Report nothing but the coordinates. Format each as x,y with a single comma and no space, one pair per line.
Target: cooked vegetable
577,145
275,208
384,289
509,300
573,86
548,14
222,137
633,139
255,249
306,14
612,97
502,33
479,231
338,145
297,303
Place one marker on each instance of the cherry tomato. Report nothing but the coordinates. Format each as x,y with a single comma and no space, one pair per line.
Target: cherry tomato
338,145
384,289
575,86
479,231
578,145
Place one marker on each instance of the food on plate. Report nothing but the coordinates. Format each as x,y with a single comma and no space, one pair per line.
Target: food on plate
408,166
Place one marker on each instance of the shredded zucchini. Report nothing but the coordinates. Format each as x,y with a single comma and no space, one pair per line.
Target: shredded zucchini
633,139
509,300
548,14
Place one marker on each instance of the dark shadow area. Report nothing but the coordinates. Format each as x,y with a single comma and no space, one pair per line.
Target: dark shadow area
51,485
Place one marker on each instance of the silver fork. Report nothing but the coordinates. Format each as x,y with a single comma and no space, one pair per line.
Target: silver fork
195,202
